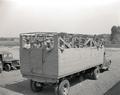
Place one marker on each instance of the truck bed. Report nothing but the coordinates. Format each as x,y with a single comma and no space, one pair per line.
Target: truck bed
39,64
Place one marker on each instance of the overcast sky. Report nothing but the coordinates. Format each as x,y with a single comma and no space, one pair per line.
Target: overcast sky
73,16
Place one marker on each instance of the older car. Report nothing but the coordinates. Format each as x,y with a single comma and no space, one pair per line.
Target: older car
8,62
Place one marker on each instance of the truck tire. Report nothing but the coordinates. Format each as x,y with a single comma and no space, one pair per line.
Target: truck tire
63,88
7,67
95,72
36,86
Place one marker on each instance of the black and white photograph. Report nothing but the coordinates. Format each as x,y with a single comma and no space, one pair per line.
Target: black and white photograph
59,47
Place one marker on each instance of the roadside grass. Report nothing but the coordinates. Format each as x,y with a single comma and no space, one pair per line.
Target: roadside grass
112,45
9,43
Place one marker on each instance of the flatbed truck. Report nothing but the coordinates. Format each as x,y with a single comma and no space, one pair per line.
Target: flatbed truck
50,58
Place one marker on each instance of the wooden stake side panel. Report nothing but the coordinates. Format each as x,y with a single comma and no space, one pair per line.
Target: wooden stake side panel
77,59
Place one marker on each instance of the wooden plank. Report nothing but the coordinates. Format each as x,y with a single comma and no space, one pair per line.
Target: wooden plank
77,59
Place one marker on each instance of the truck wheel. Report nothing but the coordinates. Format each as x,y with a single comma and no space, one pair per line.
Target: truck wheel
95,73
108,68
36,86
7,67
63,88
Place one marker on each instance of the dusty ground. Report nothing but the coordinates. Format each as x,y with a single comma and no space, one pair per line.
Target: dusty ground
12,83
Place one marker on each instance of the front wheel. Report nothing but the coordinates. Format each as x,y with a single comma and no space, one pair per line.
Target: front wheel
7,67
63,88
95,73
108,67
36,86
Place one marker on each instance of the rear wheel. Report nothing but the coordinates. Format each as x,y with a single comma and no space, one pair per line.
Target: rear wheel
7,67
63,88
36,86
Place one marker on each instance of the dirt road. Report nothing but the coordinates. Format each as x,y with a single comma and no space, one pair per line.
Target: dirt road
14,84
114,90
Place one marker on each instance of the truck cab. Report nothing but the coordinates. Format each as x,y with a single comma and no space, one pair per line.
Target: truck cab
8,62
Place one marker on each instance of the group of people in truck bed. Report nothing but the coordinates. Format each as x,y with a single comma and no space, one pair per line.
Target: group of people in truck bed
64,41
77,41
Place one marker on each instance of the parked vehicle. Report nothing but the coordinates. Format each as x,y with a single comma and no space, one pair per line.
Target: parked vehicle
8,62
55,58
